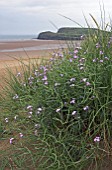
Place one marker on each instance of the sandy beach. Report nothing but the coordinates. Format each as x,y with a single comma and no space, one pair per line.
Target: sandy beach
12,51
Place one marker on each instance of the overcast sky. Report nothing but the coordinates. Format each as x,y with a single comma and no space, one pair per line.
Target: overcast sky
34,16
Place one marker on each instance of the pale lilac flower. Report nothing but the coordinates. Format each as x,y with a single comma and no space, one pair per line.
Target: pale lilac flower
11,140
82,60
39,109
15,117
30,113
75,57
72,101
88,84
72,85
29,107
81,68
72,79
6,120
84,79
61,75
94,60
37,126
21,135
70,59
44,78
106,58
74,113
97,139
46,82
101,61
86,108
15,97
18,74
101,52
75,51
97,45
57,110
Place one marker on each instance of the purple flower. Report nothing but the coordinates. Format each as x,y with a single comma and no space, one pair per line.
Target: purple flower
106,58
11,140
57,110
75,57
88,84
18,74
46,82
86,108
44,78
70,60
21,135
101,52
74,113
97,139
72,101
101,61
72,79
84,79
6,120
75,51
15,97
29,107
97,45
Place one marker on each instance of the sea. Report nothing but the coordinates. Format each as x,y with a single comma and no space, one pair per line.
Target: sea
17,37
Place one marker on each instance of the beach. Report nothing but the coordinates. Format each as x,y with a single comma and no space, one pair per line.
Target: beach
12,51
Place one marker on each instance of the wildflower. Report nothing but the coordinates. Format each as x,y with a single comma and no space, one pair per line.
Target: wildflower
30,113
97,45
94,60
84,79
75,57
106,58
101,52
29,107
97,139
37,126
86,108
70,60
21,135
11,140
72,85
75,51
46,82
44,78
18,74
88,84
6,120
72,101
72,79
82,60
61,75
81,68
15,117
39,109
57,110
101,61
74,112
15,97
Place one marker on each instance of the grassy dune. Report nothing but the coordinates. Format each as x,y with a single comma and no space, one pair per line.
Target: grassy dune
57,115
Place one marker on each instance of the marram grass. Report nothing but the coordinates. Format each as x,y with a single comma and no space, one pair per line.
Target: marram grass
58,115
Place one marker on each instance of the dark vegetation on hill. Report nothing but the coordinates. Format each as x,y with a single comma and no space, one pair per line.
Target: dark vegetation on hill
67,33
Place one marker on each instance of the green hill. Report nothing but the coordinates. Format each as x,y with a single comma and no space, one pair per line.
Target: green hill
66,33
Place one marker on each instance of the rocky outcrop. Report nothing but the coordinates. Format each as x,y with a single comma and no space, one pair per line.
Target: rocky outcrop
66,33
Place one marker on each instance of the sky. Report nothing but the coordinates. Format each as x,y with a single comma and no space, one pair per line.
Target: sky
34,16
